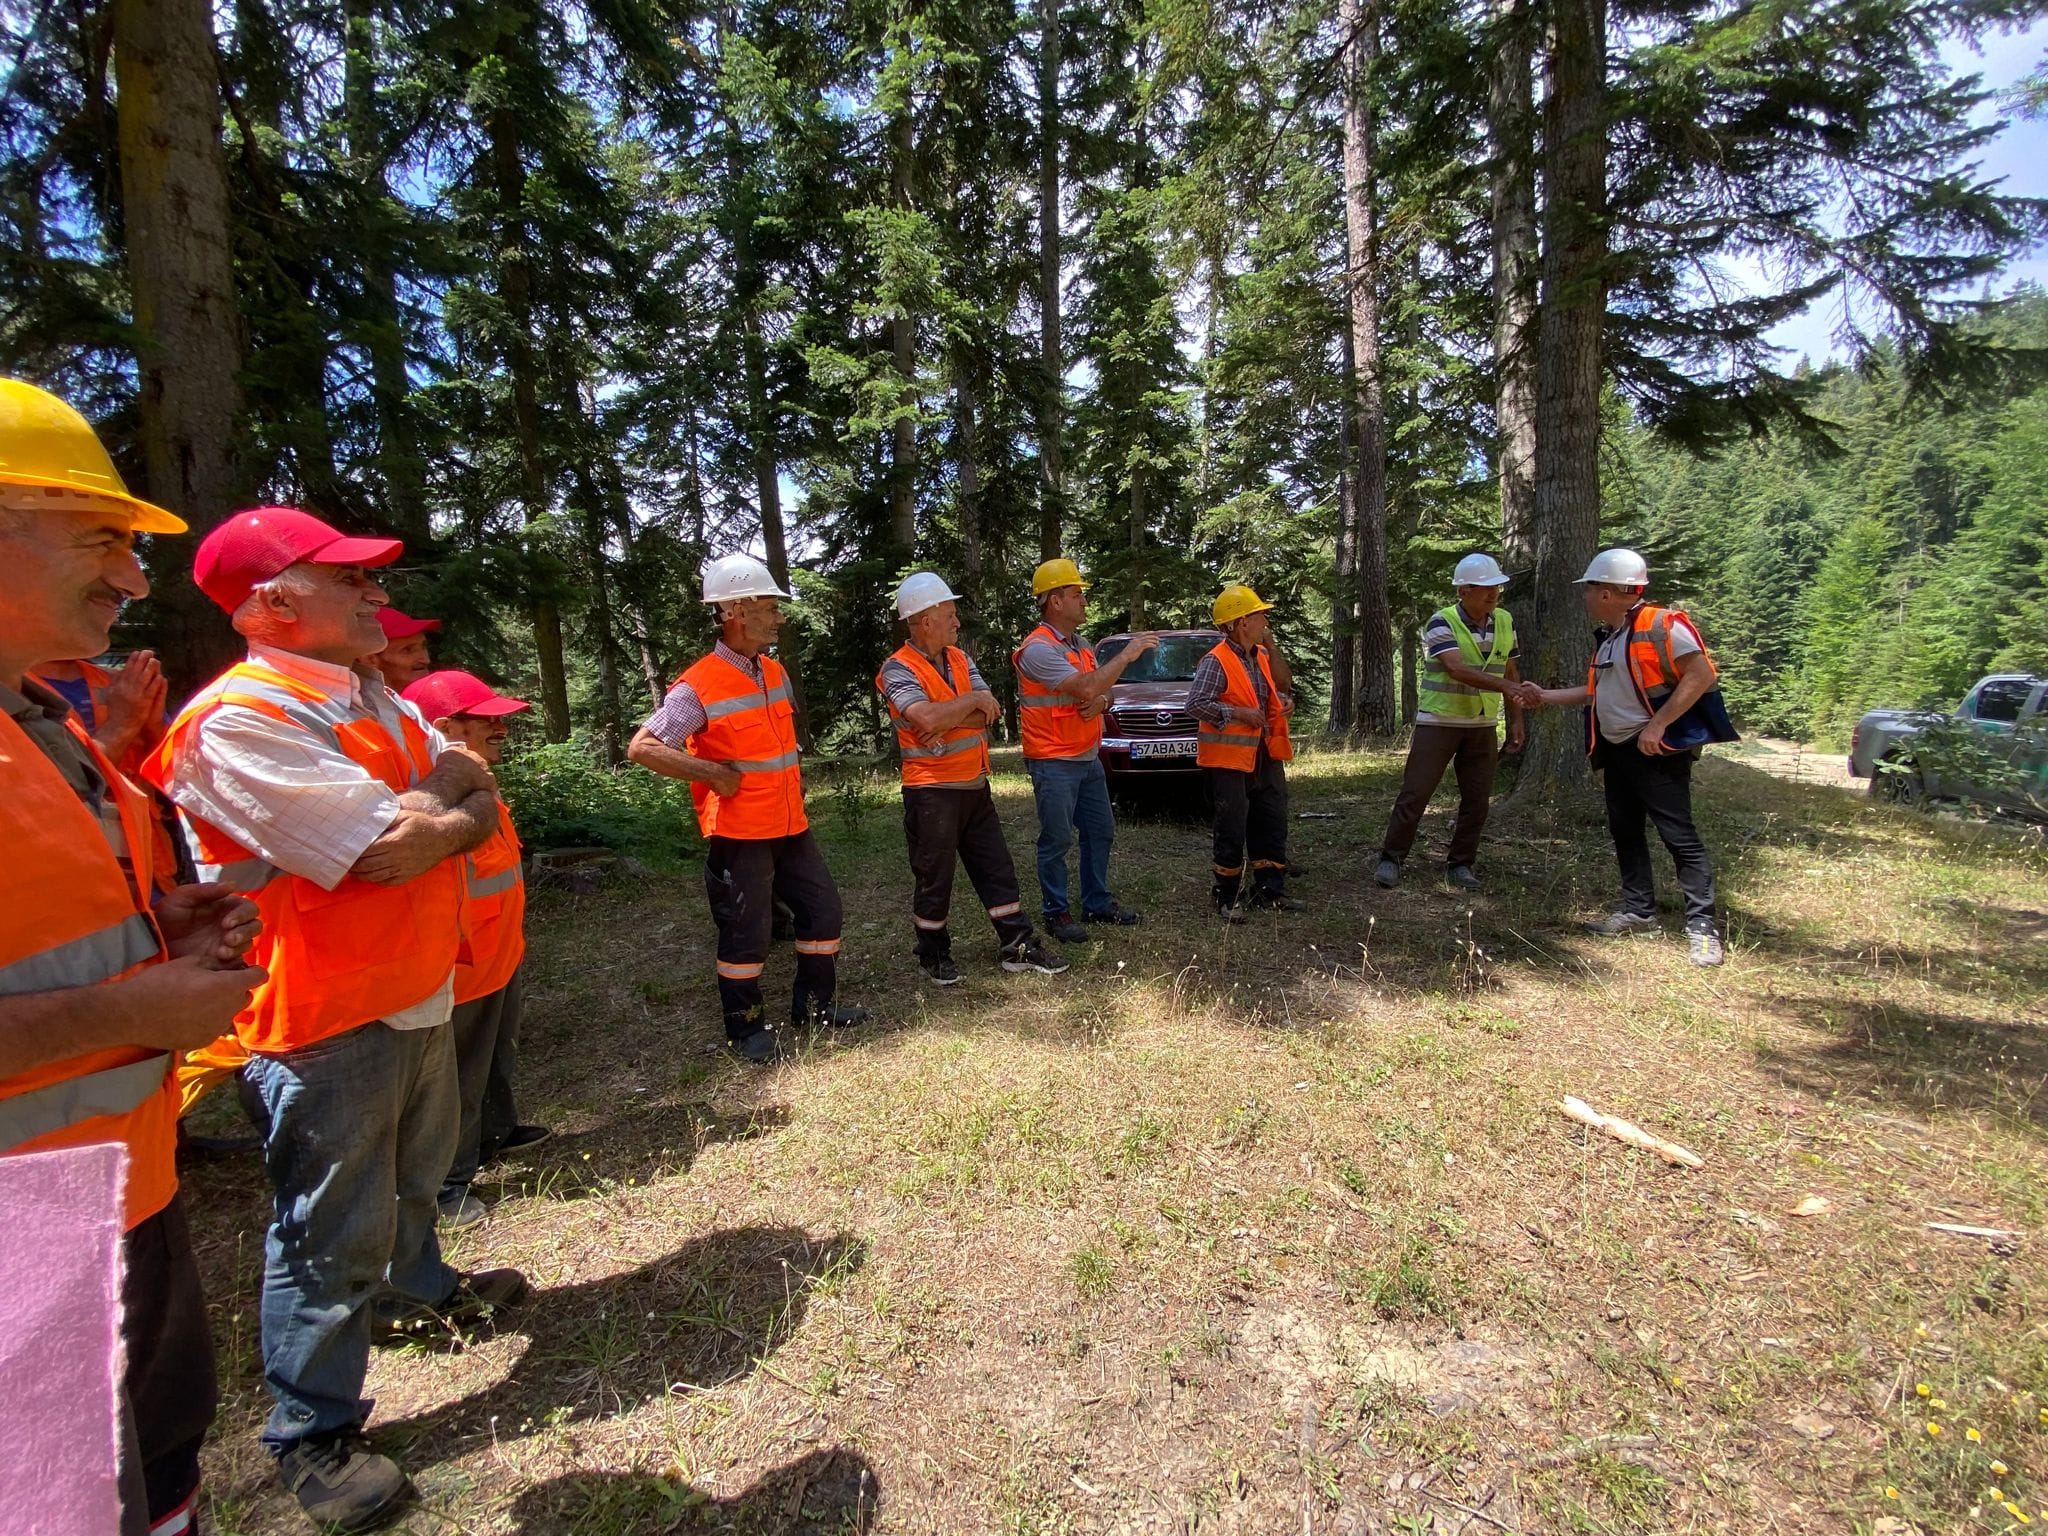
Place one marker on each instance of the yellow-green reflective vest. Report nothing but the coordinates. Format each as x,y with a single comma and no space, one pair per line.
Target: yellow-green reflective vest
1449,699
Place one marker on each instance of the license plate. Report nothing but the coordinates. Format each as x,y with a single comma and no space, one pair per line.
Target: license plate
1161,749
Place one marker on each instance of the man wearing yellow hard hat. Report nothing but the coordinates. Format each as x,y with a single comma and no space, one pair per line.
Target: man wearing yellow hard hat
1061,694
1241,696
103,975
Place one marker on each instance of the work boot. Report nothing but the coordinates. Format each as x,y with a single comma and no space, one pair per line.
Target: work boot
1061,925
833,1016
1703,946
475,1305
762,1047
342,1484
1275,901
1462,877
465,1210
1034,954
1231,913
524,1136
1615,924
1387,873
1120,917
939,970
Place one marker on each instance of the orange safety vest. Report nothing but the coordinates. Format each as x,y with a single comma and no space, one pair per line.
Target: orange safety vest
1052,721
1650,666
494,904
750,726
962,753
337,959
77,920
1235,746
163,851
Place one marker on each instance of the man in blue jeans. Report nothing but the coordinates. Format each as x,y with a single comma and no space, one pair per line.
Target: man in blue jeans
1061,696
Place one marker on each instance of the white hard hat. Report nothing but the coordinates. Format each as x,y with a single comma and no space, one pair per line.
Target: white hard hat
1479,571
922,590
732,577
1622,567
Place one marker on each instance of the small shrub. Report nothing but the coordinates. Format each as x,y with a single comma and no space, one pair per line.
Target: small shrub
562,796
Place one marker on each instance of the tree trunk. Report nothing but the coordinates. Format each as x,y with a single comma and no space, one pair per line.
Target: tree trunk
1567,492
761,416
903,342
967,470
398,450
515,285
1373,698
1511,125
1140,512
1411,654
1344,593
187,328
1052,366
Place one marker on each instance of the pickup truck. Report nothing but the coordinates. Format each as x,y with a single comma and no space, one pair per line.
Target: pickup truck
2008,715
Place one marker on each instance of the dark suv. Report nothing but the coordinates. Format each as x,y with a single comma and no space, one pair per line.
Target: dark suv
1148,729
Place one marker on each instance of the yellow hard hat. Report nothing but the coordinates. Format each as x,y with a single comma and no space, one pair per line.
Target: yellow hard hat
1236,602
1054,574
44,442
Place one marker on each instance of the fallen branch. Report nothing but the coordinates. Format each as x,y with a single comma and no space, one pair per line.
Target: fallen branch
1599,1445
1955,1230
1634,1135
1471,1513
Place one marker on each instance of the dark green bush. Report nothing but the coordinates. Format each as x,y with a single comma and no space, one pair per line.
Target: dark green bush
562,796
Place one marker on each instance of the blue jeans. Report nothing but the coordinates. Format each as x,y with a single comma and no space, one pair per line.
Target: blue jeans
1072,792
362,1129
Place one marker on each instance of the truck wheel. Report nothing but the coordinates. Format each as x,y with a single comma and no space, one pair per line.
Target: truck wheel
1898,779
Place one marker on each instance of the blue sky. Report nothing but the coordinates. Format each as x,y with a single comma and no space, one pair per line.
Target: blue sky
2018,156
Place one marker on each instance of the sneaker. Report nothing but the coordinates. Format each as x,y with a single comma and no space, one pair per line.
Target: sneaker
1274,901
1034,954
342,1484
1615,924
1061,925
1386,873
463,1211
524,1136
1704,947
833,1016
762,1047
472,1307
940,970
1462,877
1120,917
1232,914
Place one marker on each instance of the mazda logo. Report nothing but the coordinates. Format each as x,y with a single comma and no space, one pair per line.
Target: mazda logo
1166,717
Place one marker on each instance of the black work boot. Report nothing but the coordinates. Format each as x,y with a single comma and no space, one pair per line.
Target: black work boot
342,1484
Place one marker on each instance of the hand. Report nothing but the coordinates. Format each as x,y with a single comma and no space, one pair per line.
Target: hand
1250,717
210,922
131,707
1529,695
472,772
991,710
1518,736
406,849
184,1003
1146,641
1092,709
1650,741
725,780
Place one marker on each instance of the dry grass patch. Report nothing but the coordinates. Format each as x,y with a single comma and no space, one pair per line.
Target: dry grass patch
1266,1229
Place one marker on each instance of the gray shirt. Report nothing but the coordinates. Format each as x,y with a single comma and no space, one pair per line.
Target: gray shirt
1616,704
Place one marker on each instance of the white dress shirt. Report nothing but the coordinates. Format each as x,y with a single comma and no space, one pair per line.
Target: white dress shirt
294,800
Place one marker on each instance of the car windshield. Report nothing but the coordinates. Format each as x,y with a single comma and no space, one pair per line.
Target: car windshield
1173,661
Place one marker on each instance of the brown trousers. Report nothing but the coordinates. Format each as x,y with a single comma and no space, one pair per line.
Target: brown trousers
1474,750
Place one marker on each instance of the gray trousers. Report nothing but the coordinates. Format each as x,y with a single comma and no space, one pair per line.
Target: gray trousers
486,1052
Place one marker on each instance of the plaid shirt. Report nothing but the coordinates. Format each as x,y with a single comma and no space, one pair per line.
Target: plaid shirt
1205,693
681,715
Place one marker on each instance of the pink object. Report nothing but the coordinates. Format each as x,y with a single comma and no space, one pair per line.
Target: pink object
441,694
60,1353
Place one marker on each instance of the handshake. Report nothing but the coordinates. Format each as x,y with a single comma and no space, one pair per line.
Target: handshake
1527,695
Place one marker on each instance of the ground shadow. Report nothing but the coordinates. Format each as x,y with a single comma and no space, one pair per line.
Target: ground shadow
702,1316
833,1490
1915,1059
641,1143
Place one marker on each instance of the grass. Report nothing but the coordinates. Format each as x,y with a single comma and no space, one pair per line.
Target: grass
1267,1228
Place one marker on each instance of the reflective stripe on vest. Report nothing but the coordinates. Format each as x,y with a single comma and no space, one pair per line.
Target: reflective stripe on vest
76,918
961,754
494,885
749,725
1442,694
343,958
1233,746
110,1091
1053,727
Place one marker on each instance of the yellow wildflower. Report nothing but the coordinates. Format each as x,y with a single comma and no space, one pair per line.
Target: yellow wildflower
1933,1428
1890,1492
1972,1436
1939,1405
1999,1469
1923,1389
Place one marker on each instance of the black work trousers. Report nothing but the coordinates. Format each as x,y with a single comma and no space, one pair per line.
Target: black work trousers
169,1386
1251,817
1658,789
744,877
944,826
1473,753
486,1052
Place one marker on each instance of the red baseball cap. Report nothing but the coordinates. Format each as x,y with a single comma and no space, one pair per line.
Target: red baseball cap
441,694
402,626
251,547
